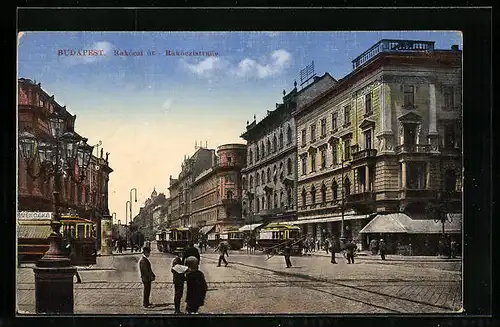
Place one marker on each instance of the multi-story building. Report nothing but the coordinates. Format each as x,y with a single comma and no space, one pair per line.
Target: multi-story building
89,198
386,138
144,220
180,188
269,178
217,192
160,216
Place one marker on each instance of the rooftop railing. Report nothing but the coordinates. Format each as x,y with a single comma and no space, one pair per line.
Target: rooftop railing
392,46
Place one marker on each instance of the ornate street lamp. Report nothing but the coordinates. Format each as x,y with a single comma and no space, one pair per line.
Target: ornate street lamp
53,272
133,189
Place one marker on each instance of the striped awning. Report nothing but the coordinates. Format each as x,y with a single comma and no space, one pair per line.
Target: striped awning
33,231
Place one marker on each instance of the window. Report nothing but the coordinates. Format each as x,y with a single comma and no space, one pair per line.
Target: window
304,165
229,194
244,182
268,175
263,178
229,159
268,149
269,204
275,200
416,175
281,140
257,179
347,186
263,151
323,127
313,194
303,137
368,104
313,161
275,144
323,158
303,197
289,198
289,166
281,170
335,153
263,203
335,189
313,133
368,139
275,174
410,131
347,149
323,193
347,115
289,135
449,136
257,202
250,157
257,154
334,121
229,179
281,200
450,180
409,95
448,97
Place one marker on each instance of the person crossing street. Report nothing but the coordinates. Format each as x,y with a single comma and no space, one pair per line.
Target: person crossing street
222,248
287,251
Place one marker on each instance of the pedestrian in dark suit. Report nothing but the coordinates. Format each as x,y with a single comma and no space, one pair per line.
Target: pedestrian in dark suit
190,251
222,248
334,248
147,276
178,279
196,286
382,249
350,249
287,251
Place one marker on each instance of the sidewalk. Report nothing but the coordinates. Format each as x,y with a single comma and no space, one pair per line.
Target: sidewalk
366,255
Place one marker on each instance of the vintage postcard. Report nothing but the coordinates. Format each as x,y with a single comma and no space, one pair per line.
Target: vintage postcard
174,173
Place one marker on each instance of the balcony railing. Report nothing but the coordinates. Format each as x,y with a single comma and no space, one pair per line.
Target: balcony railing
367,153
413,148
392,46
361,197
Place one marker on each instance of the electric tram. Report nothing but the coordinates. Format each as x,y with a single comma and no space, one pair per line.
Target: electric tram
234,238
272,238
174,240
213,239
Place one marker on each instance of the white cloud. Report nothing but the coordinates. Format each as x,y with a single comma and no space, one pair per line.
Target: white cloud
274,64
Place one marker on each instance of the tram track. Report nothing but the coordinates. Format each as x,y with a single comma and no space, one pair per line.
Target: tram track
354,292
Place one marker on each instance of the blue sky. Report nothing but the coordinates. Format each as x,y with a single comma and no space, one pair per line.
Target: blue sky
149,110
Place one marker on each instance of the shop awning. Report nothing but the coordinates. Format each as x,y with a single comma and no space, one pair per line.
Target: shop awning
206,229
401,223
33,231
248,228
323,220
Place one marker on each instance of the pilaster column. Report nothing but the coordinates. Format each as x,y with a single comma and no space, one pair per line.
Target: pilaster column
385,108
432,109
367,178
428,176
403,175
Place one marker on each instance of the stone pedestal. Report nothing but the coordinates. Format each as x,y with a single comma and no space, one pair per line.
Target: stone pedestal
54,289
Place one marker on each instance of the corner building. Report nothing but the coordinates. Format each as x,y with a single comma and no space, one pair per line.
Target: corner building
217,191
385,139
269,178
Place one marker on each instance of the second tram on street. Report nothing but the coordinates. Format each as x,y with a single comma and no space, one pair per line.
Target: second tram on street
79,233
213,239
174,240
273,237
234,238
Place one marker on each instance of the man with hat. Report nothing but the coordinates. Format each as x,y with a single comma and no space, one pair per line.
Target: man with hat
147,276
382,248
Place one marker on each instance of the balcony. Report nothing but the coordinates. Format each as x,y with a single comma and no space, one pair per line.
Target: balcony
364,154
392,46
413,148
361,197
417,194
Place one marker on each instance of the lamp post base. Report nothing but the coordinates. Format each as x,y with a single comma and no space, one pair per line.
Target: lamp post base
54,286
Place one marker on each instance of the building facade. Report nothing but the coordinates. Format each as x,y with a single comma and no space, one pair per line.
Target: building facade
269,178
386,138
145,219
89,198
180,189
217,192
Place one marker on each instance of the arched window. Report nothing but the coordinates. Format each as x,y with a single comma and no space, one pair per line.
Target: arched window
244,182
289,135
263,150
263,203
303,197
275,200
250,157
229,194
258,205
347,186
281,140
289,166
251,181
257,153
335,189
269,175
257,179
450,180
263,178
289,198
275,143
323,193
268,152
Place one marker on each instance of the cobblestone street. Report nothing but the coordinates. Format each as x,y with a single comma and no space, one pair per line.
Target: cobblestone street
252,284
